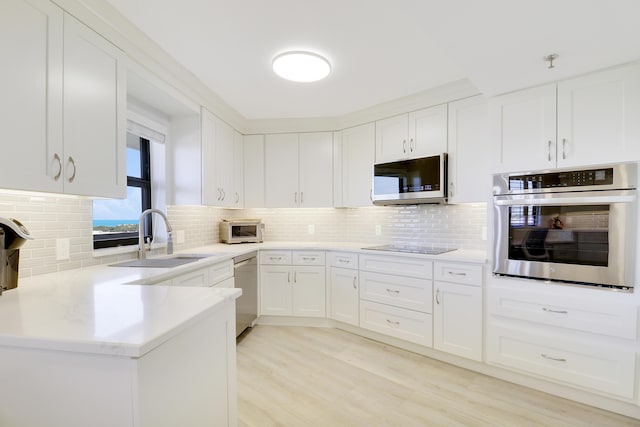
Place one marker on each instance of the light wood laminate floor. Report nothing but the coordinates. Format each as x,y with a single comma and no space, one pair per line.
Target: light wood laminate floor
297,376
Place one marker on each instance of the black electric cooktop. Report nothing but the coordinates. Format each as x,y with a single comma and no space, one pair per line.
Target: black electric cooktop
426,250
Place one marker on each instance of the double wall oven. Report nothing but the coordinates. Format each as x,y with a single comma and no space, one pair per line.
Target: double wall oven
573,226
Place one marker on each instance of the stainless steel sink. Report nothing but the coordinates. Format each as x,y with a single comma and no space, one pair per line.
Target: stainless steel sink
168,262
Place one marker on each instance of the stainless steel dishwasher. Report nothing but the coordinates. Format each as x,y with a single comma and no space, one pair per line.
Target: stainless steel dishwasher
246,277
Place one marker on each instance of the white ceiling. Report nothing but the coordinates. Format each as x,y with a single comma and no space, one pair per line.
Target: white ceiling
383,49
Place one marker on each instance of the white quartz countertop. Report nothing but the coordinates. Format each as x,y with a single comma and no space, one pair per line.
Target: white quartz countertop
112,310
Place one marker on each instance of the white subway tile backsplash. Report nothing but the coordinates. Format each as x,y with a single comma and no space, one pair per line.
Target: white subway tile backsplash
52,217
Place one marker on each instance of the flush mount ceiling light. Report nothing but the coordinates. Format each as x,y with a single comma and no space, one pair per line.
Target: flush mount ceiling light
301,66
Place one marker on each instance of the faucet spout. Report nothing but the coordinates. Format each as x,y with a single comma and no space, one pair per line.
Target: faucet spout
141,244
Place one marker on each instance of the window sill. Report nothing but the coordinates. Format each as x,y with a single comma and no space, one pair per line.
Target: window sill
119,250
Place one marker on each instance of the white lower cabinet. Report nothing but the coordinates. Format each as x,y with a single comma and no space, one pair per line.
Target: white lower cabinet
343,288
576,337
408,325
396,297
457,309
292,290
564,357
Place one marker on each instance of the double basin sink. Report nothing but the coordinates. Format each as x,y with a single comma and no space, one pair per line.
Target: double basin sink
165,262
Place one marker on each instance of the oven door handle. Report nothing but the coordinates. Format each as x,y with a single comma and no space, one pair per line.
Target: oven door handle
559,199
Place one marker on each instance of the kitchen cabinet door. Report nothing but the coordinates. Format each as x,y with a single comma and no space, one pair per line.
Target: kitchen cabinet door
598,118
94,122
31,42
427,132
253,162
469,156
315,154
357,159
523,129
281,170
392,136
218,174
308,293
344,299
238,170
275,290
457,319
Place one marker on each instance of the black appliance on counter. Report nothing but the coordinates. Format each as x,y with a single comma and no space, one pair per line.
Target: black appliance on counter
13,234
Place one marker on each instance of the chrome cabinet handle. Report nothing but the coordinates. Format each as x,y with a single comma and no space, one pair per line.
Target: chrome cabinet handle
555,359
453,273
391,322
219,193
223,193
404,146
237,198
411,145
57,159
302,197
438,296
73,175
549,151
295,197
275,258
343,260
289,277
371,194
393,292
451,188
354,282
308,258
564,154
548,310
295,277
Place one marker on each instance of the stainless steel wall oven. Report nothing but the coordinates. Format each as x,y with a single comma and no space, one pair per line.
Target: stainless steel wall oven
575,226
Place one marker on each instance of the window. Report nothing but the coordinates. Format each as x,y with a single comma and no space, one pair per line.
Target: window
115,222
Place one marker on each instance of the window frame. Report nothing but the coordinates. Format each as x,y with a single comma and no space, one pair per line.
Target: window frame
111,240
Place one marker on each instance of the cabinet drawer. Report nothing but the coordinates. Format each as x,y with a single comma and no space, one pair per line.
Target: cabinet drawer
275,257
308,258
221,271
465,274
598,317
405,324
194,278
399,265
601,367
405,292
343,259
226,283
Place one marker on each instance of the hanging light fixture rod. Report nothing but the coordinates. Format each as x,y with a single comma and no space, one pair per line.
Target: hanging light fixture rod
550,58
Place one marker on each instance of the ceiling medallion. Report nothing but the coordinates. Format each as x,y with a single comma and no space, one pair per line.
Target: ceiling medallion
301,66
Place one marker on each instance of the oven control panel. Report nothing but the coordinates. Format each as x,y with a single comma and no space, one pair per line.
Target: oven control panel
574,178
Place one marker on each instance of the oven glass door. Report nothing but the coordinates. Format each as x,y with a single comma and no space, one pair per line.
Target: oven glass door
565,234
580,237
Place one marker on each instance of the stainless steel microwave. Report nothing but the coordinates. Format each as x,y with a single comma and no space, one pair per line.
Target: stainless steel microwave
411,181
241,230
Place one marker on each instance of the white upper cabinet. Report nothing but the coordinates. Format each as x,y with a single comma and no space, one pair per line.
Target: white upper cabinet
417,134
281,170
94,113
599,118
253,164
299,170
31,40
238,171
219,163
469,171
577,122
523,129
63,103
355,167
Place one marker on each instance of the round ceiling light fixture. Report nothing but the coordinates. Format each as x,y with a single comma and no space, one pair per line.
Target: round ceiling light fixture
301,66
